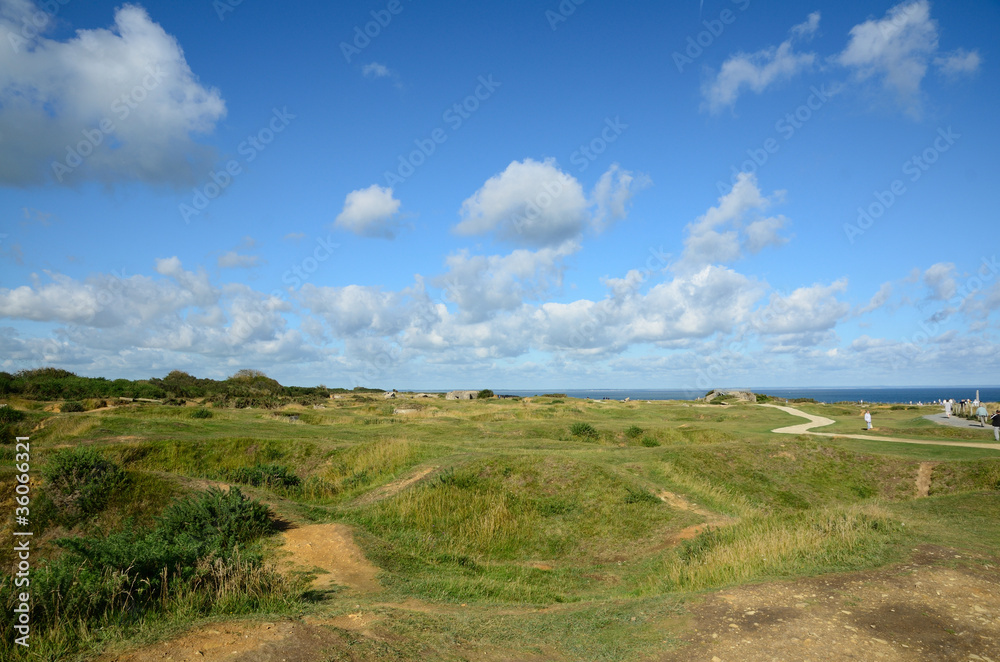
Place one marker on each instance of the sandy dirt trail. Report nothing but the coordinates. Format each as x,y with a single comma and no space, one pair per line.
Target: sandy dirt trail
820,421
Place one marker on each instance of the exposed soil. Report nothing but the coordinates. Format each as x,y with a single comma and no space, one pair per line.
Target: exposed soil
285,641
395,487
331,549
923,610
682,503
924,478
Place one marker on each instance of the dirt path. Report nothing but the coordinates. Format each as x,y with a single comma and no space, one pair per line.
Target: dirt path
242,641
331,548
819,421
395,487
682,503
920,611
924,478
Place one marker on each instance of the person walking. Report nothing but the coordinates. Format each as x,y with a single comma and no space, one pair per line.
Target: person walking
947,408
868,419
996,425
982,413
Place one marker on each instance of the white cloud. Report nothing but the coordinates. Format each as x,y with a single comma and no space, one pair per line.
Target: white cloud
536,204
896,50
375,70
482,286
878,300
132,78
759,70
807,310
528,203
613,193
940,278
958,63
370,212
233,260
721,235
809,27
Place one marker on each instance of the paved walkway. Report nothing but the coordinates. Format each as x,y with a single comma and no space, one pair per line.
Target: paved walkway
954,421
819,421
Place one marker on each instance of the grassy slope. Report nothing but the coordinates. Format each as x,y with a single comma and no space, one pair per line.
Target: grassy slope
521,512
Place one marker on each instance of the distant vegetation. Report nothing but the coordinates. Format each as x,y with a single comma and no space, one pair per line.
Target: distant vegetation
246,388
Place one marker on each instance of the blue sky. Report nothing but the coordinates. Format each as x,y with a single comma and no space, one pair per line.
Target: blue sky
417,194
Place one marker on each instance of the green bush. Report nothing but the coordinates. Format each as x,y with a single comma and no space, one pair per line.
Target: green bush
638,495
72,406
196,546
484,394
266,475
649,442
10,415
583,430
201,412
634,432
80,481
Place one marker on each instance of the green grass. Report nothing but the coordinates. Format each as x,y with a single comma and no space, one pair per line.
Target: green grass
531,504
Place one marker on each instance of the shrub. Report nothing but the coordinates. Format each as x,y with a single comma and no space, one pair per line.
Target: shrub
72,406
266,475
649,442
201,412
634,432
10,415
80,481
484,394
638,495
583,430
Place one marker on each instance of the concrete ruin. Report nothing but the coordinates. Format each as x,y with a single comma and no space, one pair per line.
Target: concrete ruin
743,396
461,395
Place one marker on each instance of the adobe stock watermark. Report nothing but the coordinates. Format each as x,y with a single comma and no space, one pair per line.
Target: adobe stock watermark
221,179
786,127
363,35
223,7
698,43
914,168
294,277
455,117
32,25
588,153
562,13
122,107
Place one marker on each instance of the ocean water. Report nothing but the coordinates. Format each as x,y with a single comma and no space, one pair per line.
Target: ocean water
887,394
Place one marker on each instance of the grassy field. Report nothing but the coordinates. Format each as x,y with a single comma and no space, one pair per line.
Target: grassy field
565,525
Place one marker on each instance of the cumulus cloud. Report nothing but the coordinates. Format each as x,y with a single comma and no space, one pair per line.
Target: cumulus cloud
370,212
759,70
123,323
806,310
111,105
536,204
896,51
733,228
482,286
940,278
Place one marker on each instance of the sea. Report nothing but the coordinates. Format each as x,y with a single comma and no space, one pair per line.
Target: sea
873,394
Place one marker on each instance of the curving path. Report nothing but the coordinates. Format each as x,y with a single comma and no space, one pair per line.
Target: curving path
819,421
